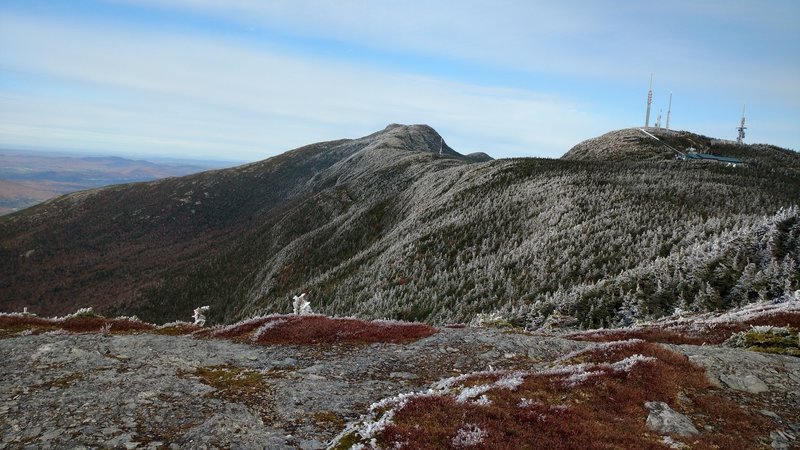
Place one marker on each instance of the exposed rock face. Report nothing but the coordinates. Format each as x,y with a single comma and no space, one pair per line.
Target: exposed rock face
154,391
145,391
746,383
665,420
750,372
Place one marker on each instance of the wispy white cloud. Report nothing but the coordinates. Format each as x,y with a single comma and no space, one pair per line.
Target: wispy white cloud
171,92
116,82
682,40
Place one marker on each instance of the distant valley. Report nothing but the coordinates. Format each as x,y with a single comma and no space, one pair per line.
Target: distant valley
28,178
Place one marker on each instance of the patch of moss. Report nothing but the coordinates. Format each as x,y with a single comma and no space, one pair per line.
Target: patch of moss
231,379
498,323
240,385
328,420
782,341
15,330
348,441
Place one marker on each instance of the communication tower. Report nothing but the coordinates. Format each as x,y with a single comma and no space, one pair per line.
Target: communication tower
658,119
741,128
649,102
669,110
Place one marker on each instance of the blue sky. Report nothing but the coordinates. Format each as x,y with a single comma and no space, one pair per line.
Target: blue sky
246,79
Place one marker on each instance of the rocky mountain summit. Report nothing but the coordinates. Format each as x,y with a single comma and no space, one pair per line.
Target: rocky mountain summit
125,384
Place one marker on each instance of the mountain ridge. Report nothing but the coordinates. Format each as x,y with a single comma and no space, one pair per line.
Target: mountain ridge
384,226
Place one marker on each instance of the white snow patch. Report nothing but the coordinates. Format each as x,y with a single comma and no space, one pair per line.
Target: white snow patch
220,330
511,382
472,392
628,363
579,377
483,400
469,436
177,323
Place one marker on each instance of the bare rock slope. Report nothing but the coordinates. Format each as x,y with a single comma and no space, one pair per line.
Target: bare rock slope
145,390
151,391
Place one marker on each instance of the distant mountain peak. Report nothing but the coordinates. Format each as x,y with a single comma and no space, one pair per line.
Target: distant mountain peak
418,137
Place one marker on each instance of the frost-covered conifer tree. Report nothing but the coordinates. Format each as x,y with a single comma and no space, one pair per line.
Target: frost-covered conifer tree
199,316
301,305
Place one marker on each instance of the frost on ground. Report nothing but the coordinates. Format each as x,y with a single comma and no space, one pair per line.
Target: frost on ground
707,328
469,436
602,396
214,386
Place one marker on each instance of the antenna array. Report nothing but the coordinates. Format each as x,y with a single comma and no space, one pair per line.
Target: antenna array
740,129
649,102
669,110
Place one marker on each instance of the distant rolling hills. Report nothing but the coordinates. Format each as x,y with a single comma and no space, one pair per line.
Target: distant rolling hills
28,178
386,226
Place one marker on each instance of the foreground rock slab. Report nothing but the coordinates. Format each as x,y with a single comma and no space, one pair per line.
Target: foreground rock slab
152,391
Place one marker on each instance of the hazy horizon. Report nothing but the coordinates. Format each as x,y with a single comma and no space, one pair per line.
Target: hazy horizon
100,153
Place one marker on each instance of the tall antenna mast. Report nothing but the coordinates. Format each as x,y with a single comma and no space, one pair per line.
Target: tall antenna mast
669,110
658,119
441,144
649,101
741,128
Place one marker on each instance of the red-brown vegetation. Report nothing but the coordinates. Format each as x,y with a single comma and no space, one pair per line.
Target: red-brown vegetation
275,329
693,331
16,323
321,329
318,329
560,408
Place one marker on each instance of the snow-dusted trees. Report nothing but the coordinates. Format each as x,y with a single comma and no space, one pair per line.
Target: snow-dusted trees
606,243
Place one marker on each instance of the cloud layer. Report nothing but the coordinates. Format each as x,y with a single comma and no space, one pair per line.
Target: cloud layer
247,79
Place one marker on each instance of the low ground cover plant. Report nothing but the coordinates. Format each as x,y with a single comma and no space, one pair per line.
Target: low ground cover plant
267,330
704,328
590,400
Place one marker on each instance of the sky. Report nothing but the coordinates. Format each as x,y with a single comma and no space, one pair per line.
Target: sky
245,80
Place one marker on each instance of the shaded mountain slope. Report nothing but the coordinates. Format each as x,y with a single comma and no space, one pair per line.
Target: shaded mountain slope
383,226
109,247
